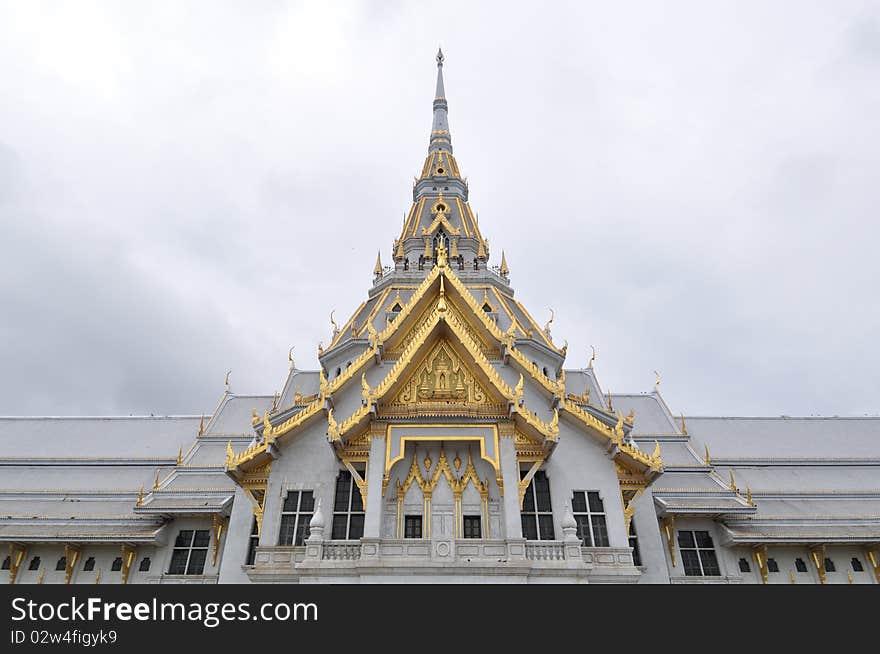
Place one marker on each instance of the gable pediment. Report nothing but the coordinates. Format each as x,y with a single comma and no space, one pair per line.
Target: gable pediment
441,383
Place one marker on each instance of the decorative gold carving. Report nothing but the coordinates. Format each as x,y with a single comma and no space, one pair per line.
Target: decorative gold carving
254,483
684,429
504,271
818,555
668,527
17,552
707,459
592,359
548,323
442,379
71,556
760,554
218,526
128,554
202,426
873,555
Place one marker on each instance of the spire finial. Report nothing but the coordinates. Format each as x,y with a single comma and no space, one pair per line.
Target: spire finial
440,139
377,269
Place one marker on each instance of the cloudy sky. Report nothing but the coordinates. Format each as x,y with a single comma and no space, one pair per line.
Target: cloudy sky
692,187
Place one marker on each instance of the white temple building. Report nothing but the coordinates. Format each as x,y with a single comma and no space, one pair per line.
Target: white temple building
440,438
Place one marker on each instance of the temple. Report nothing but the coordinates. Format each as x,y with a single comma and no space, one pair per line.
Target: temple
443,436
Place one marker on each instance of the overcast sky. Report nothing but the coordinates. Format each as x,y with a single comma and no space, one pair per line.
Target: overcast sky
692,187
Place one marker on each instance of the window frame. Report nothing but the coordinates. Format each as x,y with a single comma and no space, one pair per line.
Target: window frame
698,550
253,543
633,539
191,566
300,531
533,512
471,519
411,519
587,516
349,513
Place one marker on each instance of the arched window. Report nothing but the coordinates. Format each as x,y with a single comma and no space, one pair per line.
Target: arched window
145,564
61,564
476,264
338,371
406,264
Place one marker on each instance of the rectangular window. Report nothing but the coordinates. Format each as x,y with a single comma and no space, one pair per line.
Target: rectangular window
412,526
295,516
698,554
589,514
190,552
472,526
253,541
348,508
537,516
634,543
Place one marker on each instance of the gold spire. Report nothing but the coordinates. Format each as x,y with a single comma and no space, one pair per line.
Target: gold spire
229,453
377,269
656,453
504,270
749,499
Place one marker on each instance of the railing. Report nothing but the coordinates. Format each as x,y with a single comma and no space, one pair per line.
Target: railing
342,550
545,551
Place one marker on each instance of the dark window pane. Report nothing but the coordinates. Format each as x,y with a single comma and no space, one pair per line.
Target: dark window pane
178,562
829,566
579,502
6,564
529,499
145,564
472,526
343,491
117,564
196,562
545,522
686,539
61,564
306,502
691,563
356,526
857,565
34,564
340,526
285,534
302,529
772,565
202,539
291,502
357,501
413,526
800,565
710,563
600,531
596,505
89,564
184,538
542,491
583,529
637,555
744,566
703,539
530,527
253,542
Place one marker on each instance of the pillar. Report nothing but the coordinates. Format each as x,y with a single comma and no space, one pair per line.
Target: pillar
375,477
510,479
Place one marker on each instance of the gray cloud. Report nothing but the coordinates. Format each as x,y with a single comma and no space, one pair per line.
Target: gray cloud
691,187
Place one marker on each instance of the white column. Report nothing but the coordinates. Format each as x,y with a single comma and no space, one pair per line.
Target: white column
510,478
375,474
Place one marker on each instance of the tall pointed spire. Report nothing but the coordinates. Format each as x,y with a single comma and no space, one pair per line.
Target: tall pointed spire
440,138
